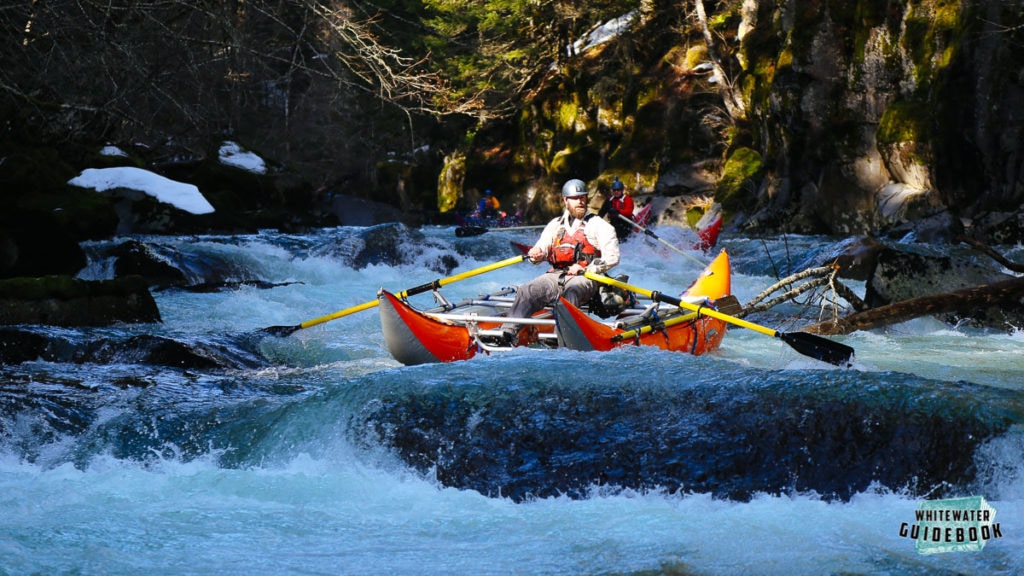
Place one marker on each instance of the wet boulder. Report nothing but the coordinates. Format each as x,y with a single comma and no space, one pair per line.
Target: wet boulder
770,433
393,244
162,351
25,344
67,301
17,346
906,271
855,257
134,258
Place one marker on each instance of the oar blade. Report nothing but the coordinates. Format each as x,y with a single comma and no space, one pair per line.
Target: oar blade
469,231
819,348
729,305
281,331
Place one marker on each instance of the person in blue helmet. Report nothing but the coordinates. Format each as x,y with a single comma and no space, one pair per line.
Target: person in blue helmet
488,205
619,207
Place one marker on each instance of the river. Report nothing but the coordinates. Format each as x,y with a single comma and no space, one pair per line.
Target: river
319,454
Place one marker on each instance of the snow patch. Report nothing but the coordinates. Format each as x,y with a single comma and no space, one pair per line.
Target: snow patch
231,154
178,194
602,33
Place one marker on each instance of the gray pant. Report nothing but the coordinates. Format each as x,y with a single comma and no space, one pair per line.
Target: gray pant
544,289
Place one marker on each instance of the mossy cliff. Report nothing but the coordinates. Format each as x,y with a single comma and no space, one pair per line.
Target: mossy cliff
820,117
834,116
861,103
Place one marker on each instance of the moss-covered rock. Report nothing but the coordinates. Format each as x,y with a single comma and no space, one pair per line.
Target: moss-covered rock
735,189
67,301
840,99
449,182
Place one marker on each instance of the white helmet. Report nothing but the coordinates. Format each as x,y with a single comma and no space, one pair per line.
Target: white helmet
574,188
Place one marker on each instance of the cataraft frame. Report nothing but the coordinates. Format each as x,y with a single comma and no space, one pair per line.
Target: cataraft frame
452,332
458,331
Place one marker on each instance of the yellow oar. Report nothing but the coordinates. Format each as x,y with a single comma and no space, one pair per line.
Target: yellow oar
811,345
288,330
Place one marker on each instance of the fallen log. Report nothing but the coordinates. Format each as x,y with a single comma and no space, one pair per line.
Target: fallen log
965,302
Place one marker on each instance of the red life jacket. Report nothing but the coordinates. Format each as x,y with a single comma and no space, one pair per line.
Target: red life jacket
568,249
622,206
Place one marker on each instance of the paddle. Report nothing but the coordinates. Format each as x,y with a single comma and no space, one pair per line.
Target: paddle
659,239
478,230
810,345
288,330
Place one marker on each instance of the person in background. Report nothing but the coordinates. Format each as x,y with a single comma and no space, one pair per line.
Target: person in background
572,243
488,205
619,203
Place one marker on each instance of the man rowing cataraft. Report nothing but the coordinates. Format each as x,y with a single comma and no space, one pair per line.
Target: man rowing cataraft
573,243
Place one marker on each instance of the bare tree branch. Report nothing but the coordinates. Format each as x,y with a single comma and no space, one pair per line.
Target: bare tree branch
730,95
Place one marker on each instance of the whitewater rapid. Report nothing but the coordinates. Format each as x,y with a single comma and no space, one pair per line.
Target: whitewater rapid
319,454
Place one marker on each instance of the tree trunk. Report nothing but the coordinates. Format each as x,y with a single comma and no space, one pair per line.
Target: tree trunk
962,301
733,103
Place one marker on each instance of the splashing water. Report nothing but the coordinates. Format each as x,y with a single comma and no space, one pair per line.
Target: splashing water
320,454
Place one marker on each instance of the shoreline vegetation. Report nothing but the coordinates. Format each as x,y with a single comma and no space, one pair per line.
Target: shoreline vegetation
877,125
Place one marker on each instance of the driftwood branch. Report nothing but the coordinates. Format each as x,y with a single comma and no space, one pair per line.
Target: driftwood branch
846,294
812,278
757,305
988,251
961,301
967,301
822,271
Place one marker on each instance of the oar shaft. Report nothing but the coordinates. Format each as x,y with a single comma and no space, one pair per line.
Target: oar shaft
417,290
659,239
478,230
655,295
339,314
531,227
630,334
464,275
